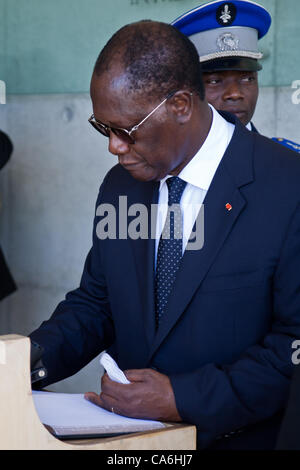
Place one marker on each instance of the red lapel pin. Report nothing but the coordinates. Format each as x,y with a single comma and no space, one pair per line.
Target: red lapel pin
228,207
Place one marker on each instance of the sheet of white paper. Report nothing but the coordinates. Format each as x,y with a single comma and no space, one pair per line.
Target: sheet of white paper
69,414
112,369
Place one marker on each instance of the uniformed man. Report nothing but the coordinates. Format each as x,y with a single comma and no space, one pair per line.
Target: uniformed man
226,35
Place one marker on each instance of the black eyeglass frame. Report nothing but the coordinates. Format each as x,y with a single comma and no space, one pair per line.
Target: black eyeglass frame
120,132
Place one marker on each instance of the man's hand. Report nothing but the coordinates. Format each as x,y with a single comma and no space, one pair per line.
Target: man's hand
149,396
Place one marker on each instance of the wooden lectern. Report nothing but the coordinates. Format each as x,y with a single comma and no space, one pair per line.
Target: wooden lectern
21,428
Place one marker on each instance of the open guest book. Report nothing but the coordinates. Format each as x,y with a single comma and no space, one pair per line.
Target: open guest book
70,416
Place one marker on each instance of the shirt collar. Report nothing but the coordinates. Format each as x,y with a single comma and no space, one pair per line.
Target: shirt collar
201,169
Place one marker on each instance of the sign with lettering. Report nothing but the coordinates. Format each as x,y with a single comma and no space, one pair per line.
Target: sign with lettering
151,2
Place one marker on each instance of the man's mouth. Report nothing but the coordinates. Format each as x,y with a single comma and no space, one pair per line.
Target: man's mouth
128,162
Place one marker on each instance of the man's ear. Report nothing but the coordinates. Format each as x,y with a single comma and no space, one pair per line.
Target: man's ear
182,106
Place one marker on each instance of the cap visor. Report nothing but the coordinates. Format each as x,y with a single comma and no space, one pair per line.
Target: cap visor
231,63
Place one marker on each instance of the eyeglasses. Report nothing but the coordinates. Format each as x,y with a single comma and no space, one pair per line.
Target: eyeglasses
124,134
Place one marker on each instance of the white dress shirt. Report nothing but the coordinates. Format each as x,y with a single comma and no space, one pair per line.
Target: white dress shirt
198,174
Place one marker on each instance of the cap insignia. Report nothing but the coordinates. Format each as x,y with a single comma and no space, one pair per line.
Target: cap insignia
228,42
226,14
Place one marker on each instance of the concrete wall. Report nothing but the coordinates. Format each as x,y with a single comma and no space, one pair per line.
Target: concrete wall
47,51
49,191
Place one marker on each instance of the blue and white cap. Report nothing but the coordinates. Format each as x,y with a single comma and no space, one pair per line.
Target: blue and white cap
226,34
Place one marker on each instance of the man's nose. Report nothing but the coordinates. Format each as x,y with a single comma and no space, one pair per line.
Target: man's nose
233,92
117,146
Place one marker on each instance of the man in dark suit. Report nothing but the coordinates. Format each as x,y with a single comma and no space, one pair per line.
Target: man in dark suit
7,284
203,330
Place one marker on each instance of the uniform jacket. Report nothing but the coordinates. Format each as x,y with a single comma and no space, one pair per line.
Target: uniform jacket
287,143
225,339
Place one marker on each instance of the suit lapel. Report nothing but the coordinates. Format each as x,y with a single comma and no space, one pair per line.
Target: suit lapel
234,171
144,256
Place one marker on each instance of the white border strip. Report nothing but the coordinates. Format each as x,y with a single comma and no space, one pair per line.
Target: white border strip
218,55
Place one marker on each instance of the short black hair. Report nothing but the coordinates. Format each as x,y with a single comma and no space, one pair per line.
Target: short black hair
157,59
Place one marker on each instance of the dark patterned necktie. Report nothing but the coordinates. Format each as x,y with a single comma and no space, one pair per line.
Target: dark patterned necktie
170,247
